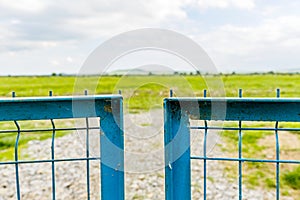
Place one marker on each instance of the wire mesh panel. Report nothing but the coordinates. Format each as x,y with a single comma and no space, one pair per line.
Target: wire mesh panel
238,117
57,111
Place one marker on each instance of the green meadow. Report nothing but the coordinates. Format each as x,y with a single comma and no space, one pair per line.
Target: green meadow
142,93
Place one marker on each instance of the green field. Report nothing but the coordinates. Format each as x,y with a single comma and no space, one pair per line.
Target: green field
142,93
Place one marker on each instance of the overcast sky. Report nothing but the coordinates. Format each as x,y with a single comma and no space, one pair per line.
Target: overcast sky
45,36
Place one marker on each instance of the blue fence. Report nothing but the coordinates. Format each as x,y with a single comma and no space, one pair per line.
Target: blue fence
179,111
109,111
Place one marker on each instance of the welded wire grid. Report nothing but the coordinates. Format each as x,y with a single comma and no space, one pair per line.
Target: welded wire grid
240,159
22,133
85,128
177,171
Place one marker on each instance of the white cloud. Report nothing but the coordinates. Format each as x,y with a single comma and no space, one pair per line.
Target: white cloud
55,62
46,20
240,4
107,19
245,39
66,29
24,5
34,23
69,59
272,41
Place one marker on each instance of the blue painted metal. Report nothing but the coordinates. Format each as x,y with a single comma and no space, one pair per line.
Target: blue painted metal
47,130
247,160
204,158
177,154
108,108
243,109
52,157
277,92
16,161
112,152
277,163
244,128
204,152
87,161
171,93
240,162
237,109
47,160
277,154
54,107
240,154
87,143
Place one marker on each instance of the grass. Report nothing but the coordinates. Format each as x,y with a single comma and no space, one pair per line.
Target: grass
258,145
144,92
292,178
146,124
7,140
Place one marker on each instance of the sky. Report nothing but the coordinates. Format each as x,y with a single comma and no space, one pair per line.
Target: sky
43,37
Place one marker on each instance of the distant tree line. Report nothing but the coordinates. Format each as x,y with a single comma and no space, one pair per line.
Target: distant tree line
186,73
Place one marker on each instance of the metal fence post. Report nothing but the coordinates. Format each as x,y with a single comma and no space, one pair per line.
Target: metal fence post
112,151
177,153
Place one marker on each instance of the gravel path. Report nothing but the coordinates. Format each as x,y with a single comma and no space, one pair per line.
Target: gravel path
144,166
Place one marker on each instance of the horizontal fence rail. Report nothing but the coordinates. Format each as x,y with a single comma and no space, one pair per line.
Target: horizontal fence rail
179,111
107,108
